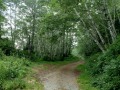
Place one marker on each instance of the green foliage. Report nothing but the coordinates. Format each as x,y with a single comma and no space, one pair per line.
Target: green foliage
92,64
6,46
14,84
109,79
2,8
84,79
1,54
106,68
86,47
12,70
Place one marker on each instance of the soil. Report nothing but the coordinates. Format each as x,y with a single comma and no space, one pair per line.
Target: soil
61,78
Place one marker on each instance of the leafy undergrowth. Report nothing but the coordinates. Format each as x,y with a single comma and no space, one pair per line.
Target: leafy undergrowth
105,68
84,79
15,74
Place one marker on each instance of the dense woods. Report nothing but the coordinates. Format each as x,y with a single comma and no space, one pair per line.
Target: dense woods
52,30
34,28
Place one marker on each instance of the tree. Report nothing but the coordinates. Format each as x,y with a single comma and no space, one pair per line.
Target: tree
2,8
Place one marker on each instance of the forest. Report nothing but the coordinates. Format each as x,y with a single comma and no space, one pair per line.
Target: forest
44,43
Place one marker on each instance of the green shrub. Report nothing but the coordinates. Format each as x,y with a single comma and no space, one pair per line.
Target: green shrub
12,69
16,84
7,46
92,64
1,54
106,68
110,78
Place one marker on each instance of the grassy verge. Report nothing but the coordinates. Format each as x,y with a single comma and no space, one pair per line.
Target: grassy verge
46,64
84,79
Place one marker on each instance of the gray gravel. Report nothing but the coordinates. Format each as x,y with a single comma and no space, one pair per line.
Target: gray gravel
63,78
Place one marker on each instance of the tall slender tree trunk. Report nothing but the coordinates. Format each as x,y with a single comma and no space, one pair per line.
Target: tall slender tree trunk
33,30
92,34
110,21
0,30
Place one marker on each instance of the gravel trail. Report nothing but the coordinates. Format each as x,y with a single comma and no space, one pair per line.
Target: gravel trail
62,78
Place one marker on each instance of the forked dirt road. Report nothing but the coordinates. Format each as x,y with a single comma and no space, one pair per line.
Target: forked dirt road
62,78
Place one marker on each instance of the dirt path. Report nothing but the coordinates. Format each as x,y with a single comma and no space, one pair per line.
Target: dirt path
63,78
